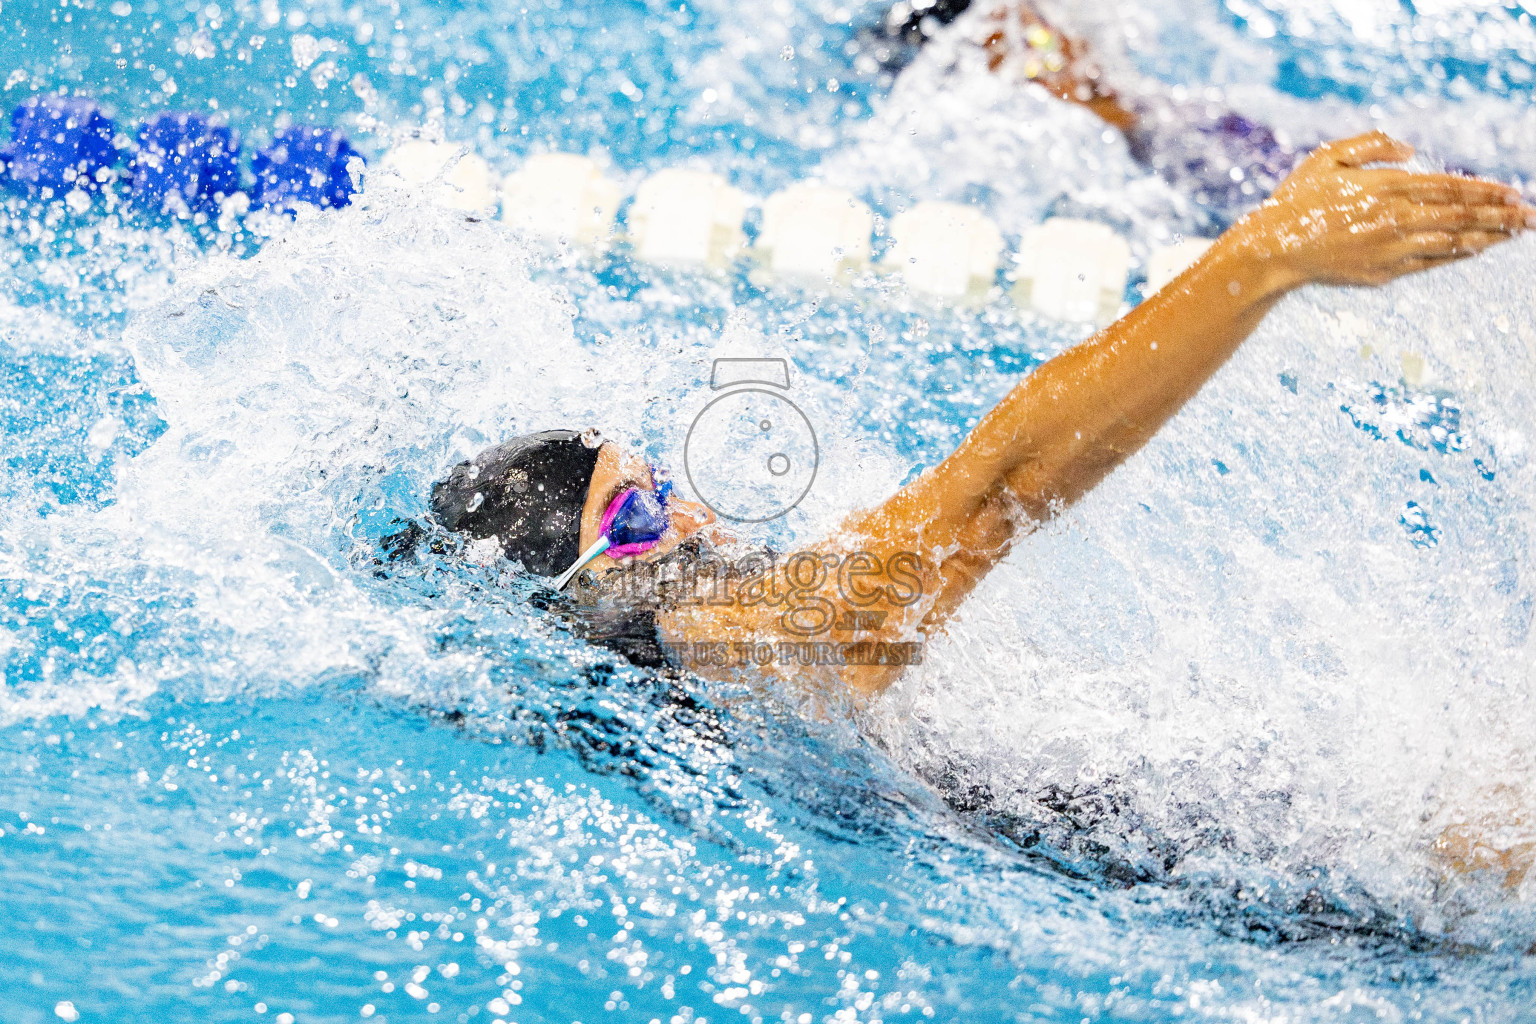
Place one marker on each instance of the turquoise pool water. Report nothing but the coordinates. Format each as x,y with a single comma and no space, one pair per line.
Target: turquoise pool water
1183,758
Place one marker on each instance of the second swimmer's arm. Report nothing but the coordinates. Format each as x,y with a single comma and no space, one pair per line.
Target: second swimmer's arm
1076,418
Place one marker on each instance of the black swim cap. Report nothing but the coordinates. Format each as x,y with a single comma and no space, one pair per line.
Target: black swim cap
528,493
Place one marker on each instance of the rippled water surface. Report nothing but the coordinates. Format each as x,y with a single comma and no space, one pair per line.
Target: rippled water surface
1184,756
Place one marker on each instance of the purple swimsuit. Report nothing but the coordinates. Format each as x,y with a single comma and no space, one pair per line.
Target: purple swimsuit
1222,159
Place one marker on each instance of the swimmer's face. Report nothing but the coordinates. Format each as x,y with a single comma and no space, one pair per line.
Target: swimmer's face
617,470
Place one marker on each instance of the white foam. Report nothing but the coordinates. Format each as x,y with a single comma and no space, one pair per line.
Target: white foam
309,386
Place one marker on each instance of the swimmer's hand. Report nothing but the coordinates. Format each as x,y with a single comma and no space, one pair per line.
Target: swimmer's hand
1336,221
1018,39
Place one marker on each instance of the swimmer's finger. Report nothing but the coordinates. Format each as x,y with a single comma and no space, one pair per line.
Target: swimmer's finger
1444,244
1372,147
1417,263
1414,266
1477,241
1443,188
1429,243
1450,216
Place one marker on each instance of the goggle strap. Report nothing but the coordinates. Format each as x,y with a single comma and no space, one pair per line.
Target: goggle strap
586,557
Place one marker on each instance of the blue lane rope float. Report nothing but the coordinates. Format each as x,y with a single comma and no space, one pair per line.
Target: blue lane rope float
184,164
58,143
306,165
180,162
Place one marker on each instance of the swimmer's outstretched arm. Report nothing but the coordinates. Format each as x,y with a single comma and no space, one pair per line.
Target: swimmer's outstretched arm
1073,420
1077,417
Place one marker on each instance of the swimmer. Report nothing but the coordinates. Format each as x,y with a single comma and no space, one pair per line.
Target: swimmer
639,568
1223,160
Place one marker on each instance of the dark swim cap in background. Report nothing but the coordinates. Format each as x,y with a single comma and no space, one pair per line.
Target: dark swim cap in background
906,26
528,493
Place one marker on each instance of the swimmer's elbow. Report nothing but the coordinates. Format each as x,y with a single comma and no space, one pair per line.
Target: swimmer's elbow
1047,484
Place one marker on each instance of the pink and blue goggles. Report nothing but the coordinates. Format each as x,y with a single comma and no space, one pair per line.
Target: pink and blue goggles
634,523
